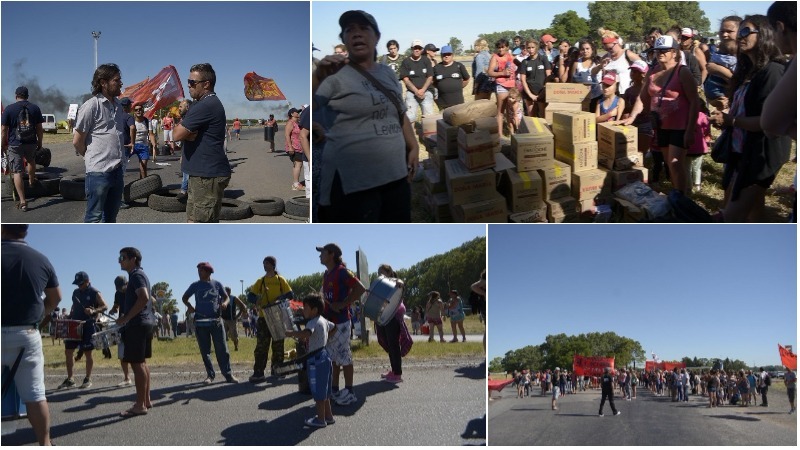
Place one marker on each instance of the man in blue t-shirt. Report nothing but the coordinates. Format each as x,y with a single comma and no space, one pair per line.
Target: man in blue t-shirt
210,300
22,140
204,158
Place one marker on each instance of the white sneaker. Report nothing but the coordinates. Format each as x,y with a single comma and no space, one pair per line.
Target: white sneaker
347,399
125,383
337,395
617,413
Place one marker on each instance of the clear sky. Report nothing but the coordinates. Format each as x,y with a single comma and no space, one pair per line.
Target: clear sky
50,45
437,22
680,290
171,252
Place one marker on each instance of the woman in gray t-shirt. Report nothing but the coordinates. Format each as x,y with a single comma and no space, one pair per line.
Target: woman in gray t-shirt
370,153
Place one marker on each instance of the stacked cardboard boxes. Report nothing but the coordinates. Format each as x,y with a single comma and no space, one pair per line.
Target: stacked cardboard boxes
618,151
565,97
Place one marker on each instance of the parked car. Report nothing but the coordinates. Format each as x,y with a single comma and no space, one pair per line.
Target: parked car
49,125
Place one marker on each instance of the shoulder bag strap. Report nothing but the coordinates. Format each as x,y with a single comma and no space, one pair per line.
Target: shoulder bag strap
664,88
381,88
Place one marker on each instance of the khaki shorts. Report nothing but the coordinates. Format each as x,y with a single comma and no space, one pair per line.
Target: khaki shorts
17,153
204,201
230,328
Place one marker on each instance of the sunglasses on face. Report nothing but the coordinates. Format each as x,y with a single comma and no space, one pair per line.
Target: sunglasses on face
138,110
121,258
746,31
193,83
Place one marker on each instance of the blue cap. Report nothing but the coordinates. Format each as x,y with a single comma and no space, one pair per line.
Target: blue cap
446,49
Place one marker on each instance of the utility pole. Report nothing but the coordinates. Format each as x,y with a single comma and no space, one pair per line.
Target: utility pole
96,36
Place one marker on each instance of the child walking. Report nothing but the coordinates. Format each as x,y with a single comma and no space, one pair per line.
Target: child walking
318,331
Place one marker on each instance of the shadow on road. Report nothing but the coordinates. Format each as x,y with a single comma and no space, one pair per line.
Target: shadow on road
473,372
476,429
733,417
233,193
287,430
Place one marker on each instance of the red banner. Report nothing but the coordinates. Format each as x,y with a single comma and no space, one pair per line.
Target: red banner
257,88
157,92
788,358
591,365
663,365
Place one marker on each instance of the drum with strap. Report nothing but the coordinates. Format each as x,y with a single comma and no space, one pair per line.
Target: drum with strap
384,298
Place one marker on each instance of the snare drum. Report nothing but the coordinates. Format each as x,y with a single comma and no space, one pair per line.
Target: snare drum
69,330
107,338
279,319
384,299
288,367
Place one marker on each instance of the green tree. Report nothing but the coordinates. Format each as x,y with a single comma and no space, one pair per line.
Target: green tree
614,16
528,357
688,14
458,47
496,365
632,20
570,26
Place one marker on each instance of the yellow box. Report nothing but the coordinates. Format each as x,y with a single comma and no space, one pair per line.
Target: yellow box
580,156
523,191
617,140
557,179
574,126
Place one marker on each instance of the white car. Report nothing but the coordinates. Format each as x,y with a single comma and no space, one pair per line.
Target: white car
49,124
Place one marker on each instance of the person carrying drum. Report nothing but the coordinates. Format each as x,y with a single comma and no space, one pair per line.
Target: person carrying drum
87,303
394,336
264,292
340,288
318,331
210,299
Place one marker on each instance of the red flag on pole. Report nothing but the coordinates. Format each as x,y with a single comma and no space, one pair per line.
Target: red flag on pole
257,88
133,88
158,92
788,358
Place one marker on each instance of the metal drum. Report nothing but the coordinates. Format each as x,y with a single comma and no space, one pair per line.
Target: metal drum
384,299
288,367
69,330
279,319
107,338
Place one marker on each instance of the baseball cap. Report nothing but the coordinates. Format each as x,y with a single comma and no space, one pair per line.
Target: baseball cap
687,32
206,266
333,248
416,43
22,92
665,42
610,77
547,38
120,281
80,278
357,14
431,47
447,49
639,66
125,101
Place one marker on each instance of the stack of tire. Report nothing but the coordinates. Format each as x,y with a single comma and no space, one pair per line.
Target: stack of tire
297,208
48,185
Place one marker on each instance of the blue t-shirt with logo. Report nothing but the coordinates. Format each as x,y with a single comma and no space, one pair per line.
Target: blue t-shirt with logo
208,296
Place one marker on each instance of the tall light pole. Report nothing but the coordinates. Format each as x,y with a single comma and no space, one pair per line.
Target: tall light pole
242,281
96,36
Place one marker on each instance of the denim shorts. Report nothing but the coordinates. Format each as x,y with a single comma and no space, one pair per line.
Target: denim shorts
142,151
320,376
29,379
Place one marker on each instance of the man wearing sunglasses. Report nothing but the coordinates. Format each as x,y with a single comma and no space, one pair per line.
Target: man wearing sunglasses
204,158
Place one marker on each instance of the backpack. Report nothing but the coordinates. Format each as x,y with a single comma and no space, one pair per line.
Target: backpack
768,380
26,131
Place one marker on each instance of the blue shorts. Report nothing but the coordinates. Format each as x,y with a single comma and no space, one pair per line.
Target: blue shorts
142,151
320,375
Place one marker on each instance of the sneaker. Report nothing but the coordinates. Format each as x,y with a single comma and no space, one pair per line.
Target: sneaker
392,378
617,413
208,380
330,421
602,415
338,394
463,339
125,383
257,377
454,340
87,383
68,383
384,375
347,399
312,422
231,379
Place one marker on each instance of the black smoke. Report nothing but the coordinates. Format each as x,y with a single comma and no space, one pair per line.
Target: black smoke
51,100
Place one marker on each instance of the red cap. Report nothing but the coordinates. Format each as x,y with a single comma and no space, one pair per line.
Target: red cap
548,38
206,266
610,77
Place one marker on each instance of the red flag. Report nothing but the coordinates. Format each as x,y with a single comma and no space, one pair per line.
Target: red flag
133,88
258,88
158,92
788,358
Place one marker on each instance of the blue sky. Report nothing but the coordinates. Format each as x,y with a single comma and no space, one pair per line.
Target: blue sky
437,22
52,43
680,290
171,252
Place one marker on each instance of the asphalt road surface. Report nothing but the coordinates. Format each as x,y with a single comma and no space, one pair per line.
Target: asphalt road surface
648,420
439,403
256,173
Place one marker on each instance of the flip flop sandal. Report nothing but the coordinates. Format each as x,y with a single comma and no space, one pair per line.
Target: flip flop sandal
132,413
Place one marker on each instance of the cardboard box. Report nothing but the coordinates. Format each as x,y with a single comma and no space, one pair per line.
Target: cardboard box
586,206
439,160
532,151
538,215
574,126
589,184
606,159
446,138
580,156
555,106
563,206
464,186
566,92
476,150
620,178
434,184
492,210
534,125
439,207
524,191
501,165
618,140
429,127
557,179
429,142
572,218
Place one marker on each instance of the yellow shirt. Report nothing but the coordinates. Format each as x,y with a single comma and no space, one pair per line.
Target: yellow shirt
268,289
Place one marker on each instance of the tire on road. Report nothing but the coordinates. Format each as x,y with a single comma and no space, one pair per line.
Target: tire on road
267,206
43,157
73,188
298,206
48,185
234,210
141,188
298,218
166,200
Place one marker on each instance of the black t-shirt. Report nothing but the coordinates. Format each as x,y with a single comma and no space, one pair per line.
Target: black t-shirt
607,383
126,121
26,273
119,302
448,80
534,70
205,156
138,279
416,71
82,299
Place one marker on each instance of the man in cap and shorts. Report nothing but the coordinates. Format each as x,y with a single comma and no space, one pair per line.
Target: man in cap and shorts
22,137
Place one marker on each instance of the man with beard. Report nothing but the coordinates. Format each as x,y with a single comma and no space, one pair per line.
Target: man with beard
99,139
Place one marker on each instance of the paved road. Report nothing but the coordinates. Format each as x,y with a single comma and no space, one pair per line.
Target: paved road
256,173
648,420
436,404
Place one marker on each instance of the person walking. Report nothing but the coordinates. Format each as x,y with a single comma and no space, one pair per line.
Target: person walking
790,381
607,387
22,138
